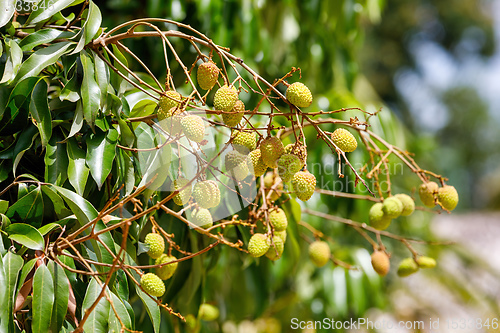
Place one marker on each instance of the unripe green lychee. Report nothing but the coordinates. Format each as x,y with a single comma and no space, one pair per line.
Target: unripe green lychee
170,100
225,98
236,165
281,234
193,127
298,150
255,163
258,245
408,204
380,263
299,95
202,218
167,113
271,149
152,284
207,75
156,245
377,218
244,142
166,272
288,165
183,196
233,119
269,181
278,220
427,193
426,262
319,253
448,197
407,267
275,252
208,312
392,207
344,140
206,193
304,183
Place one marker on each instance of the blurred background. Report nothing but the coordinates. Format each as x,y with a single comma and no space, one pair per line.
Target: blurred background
434,69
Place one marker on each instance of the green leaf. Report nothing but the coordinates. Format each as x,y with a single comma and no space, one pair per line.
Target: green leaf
83,209
102,254
43,299
26,235
77,124
14,60
57,202
49,10
90,92
121,310
143,108
4,205
101,150
41,59
93,22
78,172
24,142
41,37
24,272
70,90
8,8
12,264
121,285
56,161
151,307
39,109
97,321
125,171
28,209
61,295
102,76
48,228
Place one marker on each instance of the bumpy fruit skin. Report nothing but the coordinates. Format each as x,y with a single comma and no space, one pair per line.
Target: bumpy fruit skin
168,101
183,196
236,165
408,204
278,219
377,218
298,150
208,312
392,207
448,197
152,284
380,263
225,98
206,193
426,262
156,245
299,95
319,253
202,218
271,149
193,127
233,119
258,245
279,246
281,234
269,181
426,192
288,165
304,183
407,267
166,272
255,163
244,142
207,75
344,140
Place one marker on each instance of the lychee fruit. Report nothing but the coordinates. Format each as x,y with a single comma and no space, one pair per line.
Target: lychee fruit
244,142
408,204
278,220
271,149
207,75
299,95
288,165
380,263
152,284
377,218
208,312
392,207
344,140
233,119
281,234
407,267
304,183
156,245
255,163
183,196
166,272
206,193
258,245
298,150
448,197
202,218
427,193
426,262
236,165
319,253
275,252
170,99
225,98
193,128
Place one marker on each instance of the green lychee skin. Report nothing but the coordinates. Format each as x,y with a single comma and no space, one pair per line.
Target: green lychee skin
380,263
426,262
206,193
448,197
407,267
258,245
392,207
319,253
207,75
275,252
166,272
408,204
278,220
202,218
344,140
299,95
255,163
193,128
208,312
225,98
377,218
304,183
244,142
183,196
171,99
288,165
271,149
427,192
156,245
233,119
236,165
298,150
152,284
281,234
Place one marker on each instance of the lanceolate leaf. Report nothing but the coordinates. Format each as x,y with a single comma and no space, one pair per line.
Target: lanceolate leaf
121,310
98,320
101,153
61,296
42,36
39,109
26,235
28,209
12,264
24,142
78,172
43,299
47,11
14,60
7,11
56,161
90,92
83,209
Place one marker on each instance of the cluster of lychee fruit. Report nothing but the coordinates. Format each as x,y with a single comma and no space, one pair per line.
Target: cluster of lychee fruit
272,247
153,283
431,194
382,213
